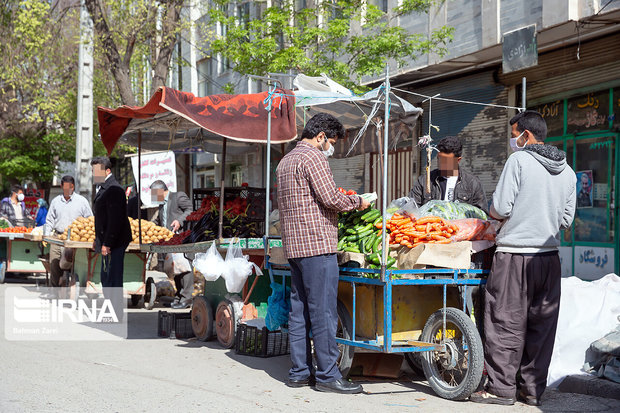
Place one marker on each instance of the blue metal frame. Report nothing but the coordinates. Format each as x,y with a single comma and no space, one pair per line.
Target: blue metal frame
457,277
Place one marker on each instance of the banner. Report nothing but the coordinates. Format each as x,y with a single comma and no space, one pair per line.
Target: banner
31,196
156,166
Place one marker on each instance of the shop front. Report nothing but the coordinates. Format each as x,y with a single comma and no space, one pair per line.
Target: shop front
587,128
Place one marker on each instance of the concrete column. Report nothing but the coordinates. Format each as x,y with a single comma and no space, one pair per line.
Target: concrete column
559,11
84,133
491,31
437,17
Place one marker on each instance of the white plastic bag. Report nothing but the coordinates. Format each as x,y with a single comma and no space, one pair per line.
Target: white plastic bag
210,264
176,263
237,269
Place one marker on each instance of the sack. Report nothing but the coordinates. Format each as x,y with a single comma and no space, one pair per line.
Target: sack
210,264
175,264
451,210
237,269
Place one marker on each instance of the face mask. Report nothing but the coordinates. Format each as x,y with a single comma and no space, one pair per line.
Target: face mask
329,152
20,197
514,145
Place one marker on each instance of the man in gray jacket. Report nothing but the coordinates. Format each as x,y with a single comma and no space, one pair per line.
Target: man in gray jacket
535,197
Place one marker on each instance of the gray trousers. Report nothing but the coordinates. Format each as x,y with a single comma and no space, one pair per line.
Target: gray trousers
55,270
522,302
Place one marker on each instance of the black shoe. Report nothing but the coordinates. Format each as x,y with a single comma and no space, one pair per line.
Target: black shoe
340,386
181,305
308,381
488,398
527,399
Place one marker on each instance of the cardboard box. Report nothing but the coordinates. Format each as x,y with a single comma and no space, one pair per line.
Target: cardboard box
456,255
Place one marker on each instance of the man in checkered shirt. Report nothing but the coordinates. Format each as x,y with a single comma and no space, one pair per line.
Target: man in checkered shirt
309,204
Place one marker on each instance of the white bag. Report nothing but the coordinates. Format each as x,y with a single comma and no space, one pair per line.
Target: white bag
210,264
175,264
237,269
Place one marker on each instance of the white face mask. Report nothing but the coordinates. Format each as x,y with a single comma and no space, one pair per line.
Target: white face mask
330,151
514,145
20,197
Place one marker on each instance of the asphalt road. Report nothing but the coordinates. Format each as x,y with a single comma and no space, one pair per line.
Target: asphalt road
149,374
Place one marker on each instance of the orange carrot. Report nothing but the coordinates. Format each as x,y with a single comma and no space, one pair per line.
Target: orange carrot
429,219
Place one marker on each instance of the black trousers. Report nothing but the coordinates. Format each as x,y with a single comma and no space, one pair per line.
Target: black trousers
522,303
112,278
314,298
184,283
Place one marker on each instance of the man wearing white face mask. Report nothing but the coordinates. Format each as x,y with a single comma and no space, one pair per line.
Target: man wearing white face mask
309,204
535,197
13,207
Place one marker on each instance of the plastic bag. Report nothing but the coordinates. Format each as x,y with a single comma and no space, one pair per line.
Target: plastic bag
451,210
176,263
404,205
237,269
279,305
210,264
473,229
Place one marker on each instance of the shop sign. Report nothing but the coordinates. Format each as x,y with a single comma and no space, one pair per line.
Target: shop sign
519,49
157,166
588,112
592,263
31,196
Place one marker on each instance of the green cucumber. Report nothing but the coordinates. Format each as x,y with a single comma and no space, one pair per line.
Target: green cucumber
352,249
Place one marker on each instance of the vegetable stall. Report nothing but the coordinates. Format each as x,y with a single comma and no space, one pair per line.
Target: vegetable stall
19,251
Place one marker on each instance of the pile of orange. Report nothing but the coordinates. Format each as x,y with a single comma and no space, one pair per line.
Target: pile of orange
17,230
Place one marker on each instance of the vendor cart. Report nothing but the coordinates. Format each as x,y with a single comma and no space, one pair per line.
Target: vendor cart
87,265
19,253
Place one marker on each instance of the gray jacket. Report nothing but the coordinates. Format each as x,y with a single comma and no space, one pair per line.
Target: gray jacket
468,189
536,195
179,207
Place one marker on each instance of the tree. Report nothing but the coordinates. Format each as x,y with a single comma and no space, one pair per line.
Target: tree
134,36
345,39
38,56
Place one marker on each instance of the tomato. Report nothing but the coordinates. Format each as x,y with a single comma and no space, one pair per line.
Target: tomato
351,192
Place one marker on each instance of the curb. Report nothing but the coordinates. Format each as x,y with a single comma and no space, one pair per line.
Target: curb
590,385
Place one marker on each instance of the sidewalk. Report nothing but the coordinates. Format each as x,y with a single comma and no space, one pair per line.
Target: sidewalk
590,385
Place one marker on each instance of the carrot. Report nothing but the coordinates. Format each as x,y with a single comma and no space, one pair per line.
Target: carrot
379,225
444,241
438,237
429,219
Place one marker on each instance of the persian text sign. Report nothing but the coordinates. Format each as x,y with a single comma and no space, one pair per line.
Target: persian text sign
156,166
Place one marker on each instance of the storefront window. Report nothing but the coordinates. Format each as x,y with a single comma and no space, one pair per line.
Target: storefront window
566,234
588,112
616,108
594,168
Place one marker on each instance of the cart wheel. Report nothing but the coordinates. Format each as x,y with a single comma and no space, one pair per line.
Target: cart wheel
225,324
150,293
414,360
2,272
135,300
455,373
202,318
345,330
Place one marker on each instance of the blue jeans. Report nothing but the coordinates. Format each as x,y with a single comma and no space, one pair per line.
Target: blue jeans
314,295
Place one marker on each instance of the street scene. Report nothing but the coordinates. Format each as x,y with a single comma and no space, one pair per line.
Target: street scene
310,205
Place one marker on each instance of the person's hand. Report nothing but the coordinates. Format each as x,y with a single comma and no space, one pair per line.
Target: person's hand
175,225
364,204
105,250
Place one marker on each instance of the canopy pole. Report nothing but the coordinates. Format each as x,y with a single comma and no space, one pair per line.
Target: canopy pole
268,174
222,189
384,241
139,191
523,90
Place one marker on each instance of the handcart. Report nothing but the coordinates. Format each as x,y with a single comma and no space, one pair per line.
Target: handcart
19,253
425,315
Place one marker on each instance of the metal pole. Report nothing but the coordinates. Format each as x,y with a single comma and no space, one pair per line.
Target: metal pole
523,90
222,189
268,174
139,191
384,243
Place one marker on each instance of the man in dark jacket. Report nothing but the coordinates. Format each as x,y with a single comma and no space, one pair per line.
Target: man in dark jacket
112,229
174,207
13,207
450,182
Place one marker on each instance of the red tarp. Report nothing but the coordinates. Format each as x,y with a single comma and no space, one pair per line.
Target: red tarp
238,117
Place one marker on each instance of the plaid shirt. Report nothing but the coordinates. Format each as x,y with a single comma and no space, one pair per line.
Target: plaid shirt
309,203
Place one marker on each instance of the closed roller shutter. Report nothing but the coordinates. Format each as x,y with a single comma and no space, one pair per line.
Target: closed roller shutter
349,172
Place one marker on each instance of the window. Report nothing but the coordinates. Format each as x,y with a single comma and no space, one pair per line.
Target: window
205,77
380,4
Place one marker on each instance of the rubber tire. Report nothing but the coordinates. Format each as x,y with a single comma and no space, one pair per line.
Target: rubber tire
150,294
2,272
414,360
472,378
221,329
346,352
201,302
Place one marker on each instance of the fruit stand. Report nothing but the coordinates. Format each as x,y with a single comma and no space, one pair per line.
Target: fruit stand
19,253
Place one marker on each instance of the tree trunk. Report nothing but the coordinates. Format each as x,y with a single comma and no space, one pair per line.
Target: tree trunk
169,24
118,66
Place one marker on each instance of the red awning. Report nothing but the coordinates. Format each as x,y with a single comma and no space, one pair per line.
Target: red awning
174,120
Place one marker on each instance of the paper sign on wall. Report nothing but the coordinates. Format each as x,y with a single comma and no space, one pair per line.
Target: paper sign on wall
156,166
591,263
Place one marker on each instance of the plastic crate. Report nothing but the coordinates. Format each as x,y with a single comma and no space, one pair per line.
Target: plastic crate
183,325
165,323
252,341
256,197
